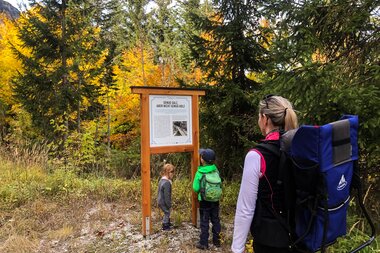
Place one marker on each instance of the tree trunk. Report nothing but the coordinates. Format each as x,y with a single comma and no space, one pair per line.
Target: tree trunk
64,76
79,103
142,57
108,124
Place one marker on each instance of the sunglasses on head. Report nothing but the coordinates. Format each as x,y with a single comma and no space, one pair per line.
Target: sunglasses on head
266,98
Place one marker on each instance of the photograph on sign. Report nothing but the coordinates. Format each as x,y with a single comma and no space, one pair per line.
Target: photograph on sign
180,128
170,120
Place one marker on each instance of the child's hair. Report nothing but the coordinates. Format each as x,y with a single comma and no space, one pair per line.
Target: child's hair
166,169
280,111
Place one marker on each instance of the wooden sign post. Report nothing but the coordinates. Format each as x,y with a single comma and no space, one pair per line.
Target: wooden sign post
169,124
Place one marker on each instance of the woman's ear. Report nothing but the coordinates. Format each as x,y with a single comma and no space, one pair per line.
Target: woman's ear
265,119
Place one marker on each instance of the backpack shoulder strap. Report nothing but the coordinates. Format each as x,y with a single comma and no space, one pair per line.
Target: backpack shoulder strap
284,178
274,149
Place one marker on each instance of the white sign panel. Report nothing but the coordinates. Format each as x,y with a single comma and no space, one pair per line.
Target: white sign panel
170,120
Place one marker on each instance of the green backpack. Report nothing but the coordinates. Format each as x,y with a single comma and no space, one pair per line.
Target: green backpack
211,186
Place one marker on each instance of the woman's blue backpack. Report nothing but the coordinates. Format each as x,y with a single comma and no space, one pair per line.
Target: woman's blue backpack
318,167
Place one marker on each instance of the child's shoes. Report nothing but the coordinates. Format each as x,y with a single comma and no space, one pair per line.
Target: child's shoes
171,224
217,244
166,226
201,246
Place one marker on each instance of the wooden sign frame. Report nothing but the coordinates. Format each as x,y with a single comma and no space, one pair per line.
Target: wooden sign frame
147,150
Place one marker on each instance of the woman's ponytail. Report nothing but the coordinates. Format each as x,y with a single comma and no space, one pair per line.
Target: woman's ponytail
280,111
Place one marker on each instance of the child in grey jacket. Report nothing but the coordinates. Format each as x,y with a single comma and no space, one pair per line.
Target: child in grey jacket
164,198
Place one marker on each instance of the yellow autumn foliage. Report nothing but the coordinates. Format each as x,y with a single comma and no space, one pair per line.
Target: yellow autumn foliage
9,65
125,106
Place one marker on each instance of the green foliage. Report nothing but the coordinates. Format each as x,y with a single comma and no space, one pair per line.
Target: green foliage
357,234
225,45
182,189
21,185
125,164
226,128
325,63
230,195
137,24
23,152
181,162
322,55
81,150
60,66
18,184
167,40
24,184
20,126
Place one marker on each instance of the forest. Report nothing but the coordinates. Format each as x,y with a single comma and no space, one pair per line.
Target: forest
70,125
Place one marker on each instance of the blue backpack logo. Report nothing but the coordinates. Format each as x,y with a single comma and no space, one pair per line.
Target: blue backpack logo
342,183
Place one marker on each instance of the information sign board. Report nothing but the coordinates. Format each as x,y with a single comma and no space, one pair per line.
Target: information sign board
170,120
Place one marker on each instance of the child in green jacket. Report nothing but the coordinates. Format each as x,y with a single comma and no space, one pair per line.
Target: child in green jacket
209,211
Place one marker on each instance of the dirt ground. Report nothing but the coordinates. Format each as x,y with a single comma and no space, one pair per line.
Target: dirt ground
87,226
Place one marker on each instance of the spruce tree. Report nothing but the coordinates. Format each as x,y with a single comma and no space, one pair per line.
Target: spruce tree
326,60
167,40
58,73
226,45
111,18
137,28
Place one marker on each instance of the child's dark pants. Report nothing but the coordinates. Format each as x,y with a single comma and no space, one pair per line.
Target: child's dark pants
209,211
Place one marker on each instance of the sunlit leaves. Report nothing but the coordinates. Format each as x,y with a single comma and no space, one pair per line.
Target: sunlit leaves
9,65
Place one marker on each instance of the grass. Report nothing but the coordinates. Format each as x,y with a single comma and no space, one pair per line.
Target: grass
36,202
19,244
21,185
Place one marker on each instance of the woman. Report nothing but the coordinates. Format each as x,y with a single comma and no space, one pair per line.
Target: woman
260,198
